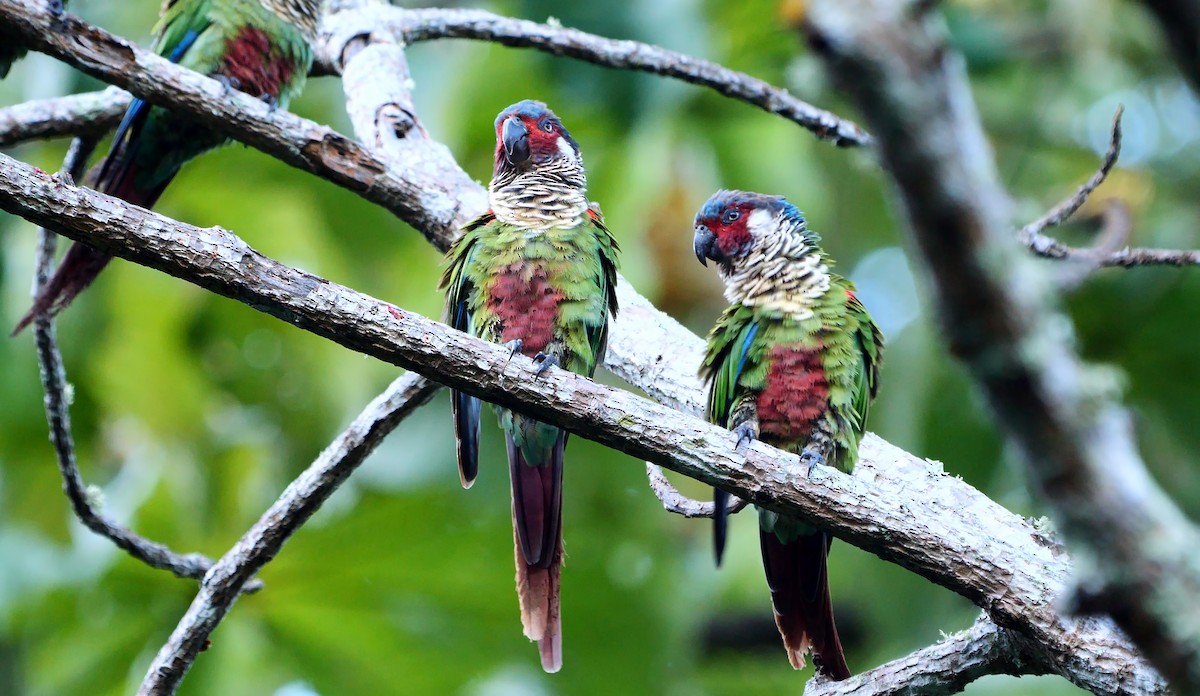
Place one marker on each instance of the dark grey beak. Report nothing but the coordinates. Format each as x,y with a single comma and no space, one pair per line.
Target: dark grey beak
515,137
705,245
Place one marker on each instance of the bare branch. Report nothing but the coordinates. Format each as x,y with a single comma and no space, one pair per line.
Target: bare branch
899,507
54,384
87,114
1000,320
1031,235
411,26
1117,220
296,141
263,541
680,504
945,667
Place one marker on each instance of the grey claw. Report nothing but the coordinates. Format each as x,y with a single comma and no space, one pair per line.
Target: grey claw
813,458
272,102
545,362
745,433
514,346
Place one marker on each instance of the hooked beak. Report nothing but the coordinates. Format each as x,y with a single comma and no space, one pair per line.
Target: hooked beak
705,245
515,137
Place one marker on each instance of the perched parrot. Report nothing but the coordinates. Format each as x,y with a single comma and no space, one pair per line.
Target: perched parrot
536,272
261,47
11,51
793,361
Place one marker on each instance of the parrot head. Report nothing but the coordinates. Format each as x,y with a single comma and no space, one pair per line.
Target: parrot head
733,224
529,136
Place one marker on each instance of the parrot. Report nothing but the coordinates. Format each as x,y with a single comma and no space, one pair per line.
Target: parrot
537,272
793,361
261,47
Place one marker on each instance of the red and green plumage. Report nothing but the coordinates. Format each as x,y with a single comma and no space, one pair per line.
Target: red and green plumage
793,361
261,47
537,271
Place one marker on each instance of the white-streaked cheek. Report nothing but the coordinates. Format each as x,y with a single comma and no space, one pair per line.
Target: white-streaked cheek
565,148
759,223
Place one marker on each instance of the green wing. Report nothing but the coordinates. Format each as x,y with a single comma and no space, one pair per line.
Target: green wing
869,341
458,287
729,344
598,334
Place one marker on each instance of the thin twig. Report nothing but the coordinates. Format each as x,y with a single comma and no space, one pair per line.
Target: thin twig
680,504
897,506
1100,256
263,541
54,385
425,24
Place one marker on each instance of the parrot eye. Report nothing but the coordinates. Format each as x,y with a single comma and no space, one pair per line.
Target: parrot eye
548,126
730,216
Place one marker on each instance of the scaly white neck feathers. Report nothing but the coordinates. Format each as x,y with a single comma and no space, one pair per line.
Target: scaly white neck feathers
783,271
550,196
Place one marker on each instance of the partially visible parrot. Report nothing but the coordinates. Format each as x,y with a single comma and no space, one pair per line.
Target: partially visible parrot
11,51
261,47
536,272
794,361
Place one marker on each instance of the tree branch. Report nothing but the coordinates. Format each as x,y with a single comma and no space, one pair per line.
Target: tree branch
263,541
1033,235
680,504
996,311
89,114
413,25
901,508
946,667
54,385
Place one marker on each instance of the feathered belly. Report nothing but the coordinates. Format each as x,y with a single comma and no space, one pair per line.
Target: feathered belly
526,303
795,397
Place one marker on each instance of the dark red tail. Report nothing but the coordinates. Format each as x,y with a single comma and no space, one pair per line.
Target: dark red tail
82,264
537,534
800,595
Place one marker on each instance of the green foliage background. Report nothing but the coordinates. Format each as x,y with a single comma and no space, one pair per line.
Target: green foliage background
193,412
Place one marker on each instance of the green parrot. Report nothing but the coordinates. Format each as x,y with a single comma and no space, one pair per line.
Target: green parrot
793,361
261,47
11,51
536,272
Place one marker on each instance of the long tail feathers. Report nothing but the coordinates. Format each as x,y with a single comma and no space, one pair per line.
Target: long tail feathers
800,596
81,264
537,535
720,522
466,432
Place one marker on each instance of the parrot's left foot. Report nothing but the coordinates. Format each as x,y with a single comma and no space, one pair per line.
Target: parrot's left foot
747,432
545,362
812,458
228,83
514,347
272,102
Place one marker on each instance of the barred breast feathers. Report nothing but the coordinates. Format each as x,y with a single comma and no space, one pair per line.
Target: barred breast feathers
551,196
783,271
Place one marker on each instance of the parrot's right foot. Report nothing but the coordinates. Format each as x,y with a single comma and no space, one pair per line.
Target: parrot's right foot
545,362
812,458
229,84
514,347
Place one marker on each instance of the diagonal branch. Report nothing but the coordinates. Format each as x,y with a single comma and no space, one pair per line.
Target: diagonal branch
263,541
999,318
901,508
425,24
946,667
680,504
54,384
87,114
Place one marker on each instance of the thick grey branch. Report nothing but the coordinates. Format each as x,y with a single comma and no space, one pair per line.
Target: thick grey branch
54,385
901,508
296,141
413,25
91,114
946,667
264,540
998,316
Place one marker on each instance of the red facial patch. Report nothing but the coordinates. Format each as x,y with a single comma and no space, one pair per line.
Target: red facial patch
257,69
527,305
734,236
796,394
